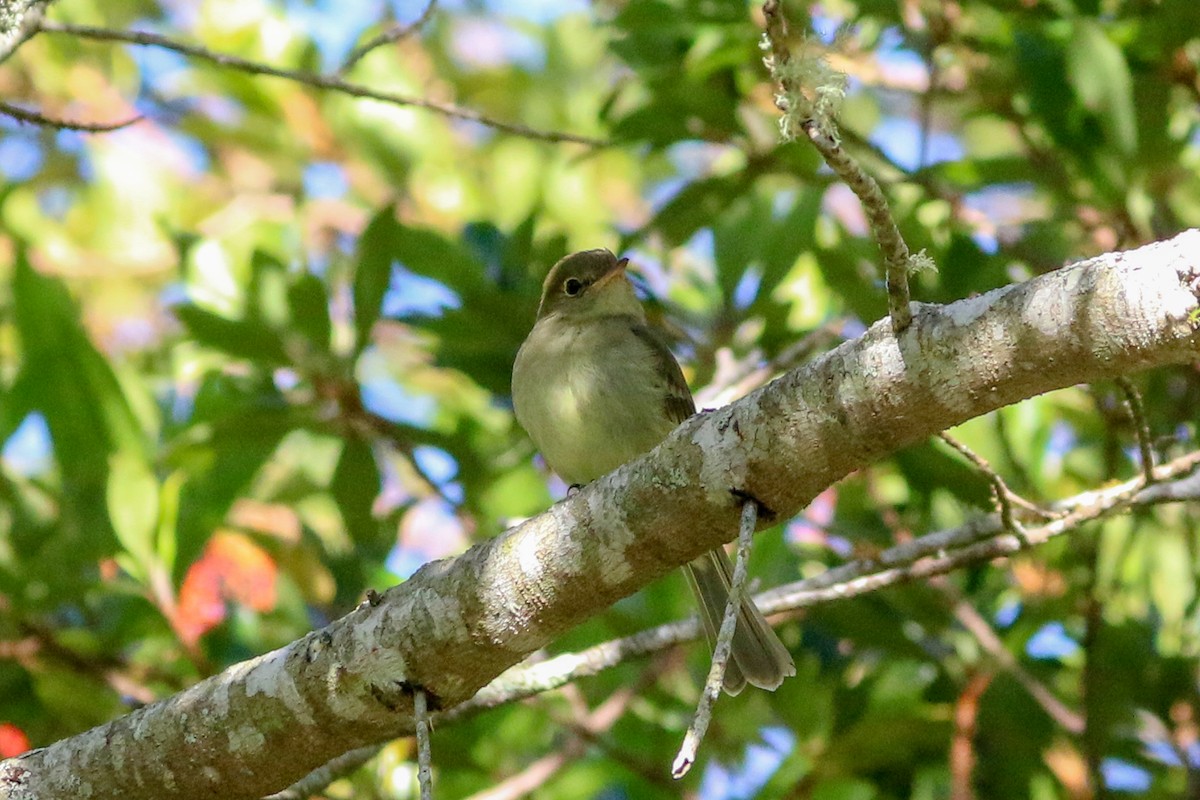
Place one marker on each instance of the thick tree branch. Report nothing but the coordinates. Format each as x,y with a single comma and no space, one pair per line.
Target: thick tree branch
1178,481
458,623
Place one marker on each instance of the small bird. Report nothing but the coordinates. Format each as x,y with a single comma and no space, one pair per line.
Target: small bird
595,387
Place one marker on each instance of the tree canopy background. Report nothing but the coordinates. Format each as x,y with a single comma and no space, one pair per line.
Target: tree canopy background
255,351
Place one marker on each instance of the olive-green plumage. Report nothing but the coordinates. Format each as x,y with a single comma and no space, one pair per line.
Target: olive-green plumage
594,387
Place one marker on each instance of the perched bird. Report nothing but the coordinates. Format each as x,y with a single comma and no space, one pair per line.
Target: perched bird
595,387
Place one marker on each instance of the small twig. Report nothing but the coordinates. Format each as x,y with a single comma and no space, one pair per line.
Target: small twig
723,647
312,783
394,33
926,112
325,82
1002,495
18,22
583,733
980,539
38,118
424,759
820,128
963,755
975,624
1014,466
897,259
1137,412
727,388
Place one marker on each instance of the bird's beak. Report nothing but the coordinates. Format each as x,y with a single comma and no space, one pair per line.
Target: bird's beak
617,270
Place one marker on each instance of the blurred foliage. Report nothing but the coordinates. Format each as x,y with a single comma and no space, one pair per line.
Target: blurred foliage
254,360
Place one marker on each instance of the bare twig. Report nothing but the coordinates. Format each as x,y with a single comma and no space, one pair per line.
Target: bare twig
541,770
727,388
1133,402
424,758
394,33
721,649
319,778
38,118
818,125
1004,497
963,757
975,624
324,82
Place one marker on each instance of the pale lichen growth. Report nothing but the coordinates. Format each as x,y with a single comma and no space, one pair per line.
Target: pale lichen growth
921,262
270,677
810,91
245,737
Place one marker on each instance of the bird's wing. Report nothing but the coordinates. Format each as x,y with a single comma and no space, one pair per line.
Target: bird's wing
678,399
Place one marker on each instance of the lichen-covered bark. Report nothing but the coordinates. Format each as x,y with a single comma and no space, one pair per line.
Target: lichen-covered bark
456,624
18,20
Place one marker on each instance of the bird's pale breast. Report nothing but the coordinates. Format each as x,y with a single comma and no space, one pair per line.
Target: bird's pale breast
590,396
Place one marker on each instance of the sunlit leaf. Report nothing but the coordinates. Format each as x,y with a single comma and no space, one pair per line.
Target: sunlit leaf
133,506
1100,75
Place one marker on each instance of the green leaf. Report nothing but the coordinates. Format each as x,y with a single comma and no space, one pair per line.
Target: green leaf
791,235
1098,72
266,299
133,506
236,425
166,544
695,206
245,338
356,484
733,251
67,379
376,254
309,302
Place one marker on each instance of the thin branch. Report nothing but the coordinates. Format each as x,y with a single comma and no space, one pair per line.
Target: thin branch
594,723
393,34
18,21
1137,412
322,776
982,540
424,757
963,757
721,649
40,119
975,624
1004,497
317,81
1014,466
743,380
816,121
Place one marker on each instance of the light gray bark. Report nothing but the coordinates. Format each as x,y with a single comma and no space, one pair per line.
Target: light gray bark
458,623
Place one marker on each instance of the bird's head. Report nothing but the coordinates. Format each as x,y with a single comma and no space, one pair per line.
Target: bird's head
590,283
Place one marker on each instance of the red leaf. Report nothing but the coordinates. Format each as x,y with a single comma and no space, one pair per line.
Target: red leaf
13,740
232,569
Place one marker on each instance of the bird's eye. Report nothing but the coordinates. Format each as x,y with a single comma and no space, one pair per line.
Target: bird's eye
573,286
